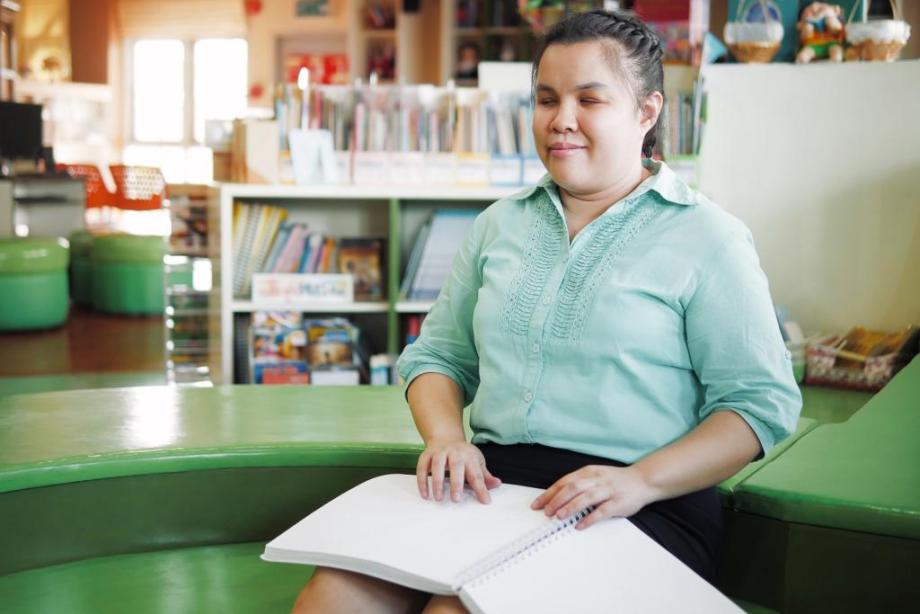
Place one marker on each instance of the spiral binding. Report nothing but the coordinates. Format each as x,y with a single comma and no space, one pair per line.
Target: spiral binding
520,549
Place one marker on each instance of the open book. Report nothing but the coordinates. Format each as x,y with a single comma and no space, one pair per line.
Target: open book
499,557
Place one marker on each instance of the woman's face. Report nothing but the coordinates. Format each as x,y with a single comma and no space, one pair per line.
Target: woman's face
587,126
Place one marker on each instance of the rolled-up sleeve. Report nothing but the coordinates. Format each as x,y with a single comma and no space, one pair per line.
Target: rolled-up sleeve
735,344
446,343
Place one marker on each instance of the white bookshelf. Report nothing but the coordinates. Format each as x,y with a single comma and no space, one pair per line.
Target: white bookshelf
392,212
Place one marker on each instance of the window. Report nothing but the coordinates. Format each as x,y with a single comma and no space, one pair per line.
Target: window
174,86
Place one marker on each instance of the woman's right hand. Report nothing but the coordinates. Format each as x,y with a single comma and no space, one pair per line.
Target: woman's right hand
466,465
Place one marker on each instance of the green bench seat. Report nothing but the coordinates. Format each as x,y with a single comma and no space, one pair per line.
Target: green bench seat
860,475
728,487
95,478
833,523
85,474
230,579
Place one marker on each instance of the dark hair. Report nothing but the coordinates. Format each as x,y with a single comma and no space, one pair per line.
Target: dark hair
640,58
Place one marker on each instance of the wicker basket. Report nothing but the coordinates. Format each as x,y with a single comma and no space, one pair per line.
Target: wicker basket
877,40
827,365
877,51
754,53
753,42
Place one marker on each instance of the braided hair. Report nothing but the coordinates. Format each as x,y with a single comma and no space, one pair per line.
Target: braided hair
637,52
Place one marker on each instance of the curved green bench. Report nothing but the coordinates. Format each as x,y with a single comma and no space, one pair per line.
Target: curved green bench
159,499
230,579
838,511
193,480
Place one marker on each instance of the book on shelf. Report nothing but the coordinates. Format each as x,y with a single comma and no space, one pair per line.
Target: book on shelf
500,557
254,230
264,243
436,249
414,323
333,352
396,122
286,348
415,256
363,259
278,343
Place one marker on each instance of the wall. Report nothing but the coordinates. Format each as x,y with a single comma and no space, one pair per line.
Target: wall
823,164
90,26
276,20
911,13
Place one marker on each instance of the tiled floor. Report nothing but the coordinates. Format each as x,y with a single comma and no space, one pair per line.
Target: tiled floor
91,350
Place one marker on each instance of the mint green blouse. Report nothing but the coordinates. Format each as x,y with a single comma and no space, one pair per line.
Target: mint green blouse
656,315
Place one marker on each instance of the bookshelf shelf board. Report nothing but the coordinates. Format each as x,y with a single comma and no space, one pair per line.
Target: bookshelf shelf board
382,193
240,306
414,306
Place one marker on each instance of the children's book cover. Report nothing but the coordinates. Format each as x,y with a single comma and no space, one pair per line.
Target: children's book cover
329,344
278,348
362,258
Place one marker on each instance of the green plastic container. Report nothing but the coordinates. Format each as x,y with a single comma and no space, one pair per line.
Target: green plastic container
33,283
81,268
127,274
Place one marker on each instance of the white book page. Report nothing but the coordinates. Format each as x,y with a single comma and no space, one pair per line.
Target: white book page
385,529
609,567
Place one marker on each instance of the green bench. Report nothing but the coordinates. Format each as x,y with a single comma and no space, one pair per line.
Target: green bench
230,579
160,499
833,523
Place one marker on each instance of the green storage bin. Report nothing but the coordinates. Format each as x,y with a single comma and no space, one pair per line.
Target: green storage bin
81,268
127,274
33,283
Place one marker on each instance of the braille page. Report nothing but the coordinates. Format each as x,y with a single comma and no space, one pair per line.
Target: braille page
609,567
384,528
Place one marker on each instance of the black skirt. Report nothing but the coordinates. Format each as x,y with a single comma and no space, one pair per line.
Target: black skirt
689,527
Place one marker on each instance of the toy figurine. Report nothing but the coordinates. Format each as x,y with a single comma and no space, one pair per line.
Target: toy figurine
820,33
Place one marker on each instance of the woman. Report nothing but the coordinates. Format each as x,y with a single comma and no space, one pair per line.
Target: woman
611,328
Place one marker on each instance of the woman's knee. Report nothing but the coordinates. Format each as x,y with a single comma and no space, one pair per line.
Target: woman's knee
444,604
335,590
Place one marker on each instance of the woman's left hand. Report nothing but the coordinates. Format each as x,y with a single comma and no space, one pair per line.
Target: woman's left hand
615,491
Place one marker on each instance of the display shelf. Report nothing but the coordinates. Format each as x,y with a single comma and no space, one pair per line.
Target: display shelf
189,285
393,213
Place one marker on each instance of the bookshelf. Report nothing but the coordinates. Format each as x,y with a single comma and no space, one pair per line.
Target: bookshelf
188,285
495,28
393,213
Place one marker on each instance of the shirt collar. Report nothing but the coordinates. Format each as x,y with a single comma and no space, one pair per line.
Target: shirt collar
663,181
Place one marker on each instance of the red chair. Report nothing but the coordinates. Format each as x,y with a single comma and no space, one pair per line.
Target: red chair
97,195
139,188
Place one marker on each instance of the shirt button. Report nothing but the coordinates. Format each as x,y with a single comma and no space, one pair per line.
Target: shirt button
546,300
536,348
528,396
